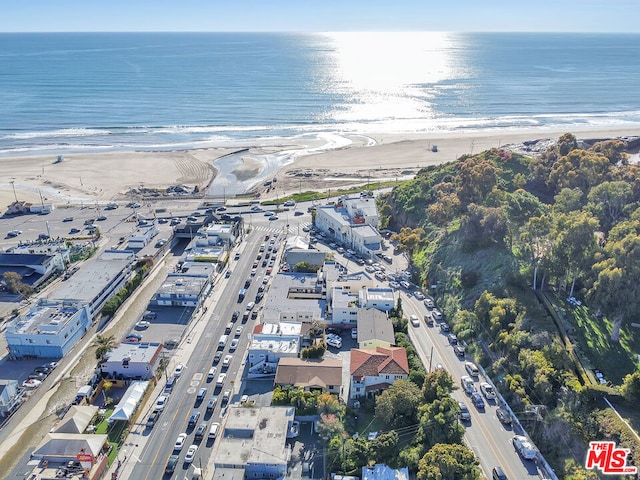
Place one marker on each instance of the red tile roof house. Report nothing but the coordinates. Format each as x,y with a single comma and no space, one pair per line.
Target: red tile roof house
372,371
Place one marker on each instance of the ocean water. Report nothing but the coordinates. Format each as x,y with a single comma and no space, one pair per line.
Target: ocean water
76,92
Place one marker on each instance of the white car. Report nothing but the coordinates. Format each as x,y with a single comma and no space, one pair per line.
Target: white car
212,374
354,333
524,447
161,402
227,361
332,342
221,378
414,320
467,384
239,331
419,295
180,442
488,391
178,371
191,453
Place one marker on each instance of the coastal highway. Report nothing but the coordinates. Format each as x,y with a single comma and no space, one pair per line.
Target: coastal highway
485,434
201,348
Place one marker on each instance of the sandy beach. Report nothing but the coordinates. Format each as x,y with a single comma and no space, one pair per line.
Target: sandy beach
103,177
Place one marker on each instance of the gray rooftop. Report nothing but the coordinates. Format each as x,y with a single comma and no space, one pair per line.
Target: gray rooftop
255,435
374,325
134,352
94,276
180,284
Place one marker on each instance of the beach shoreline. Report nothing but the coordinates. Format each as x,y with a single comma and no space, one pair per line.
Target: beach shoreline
299,164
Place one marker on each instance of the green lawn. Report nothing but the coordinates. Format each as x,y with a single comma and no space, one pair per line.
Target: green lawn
595,348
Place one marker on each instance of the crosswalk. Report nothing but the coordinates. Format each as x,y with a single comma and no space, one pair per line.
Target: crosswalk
297,229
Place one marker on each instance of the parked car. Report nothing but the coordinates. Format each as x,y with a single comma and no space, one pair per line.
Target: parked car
428,302
459,350
488,391
524,447
504,416
472,369
161,402
178,371
467,384
453,339
153,418
465,415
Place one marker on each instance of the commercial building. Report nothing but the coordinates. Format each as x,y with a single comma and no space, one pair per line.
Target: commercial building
34,268
98,280
271,342
48,330
297,297
181,290
142,236
131,360
351,222
254,441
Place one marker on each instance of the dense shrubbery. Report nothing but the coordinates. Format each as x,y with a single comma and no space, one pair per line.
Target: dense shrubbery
118,299
490,230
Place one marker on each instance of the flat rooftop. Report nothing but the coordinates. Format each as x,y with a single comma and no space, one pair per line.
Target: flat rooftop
49,318
87,283
255,435
179,284
134,352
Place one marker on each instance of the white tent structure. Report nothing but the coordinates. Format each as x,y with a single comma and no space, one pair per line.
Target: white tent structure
129,402
63,447
77,419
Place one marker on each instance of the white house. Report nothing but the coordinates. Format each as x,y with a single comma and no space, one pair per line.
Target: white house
132,360
269,343
380,298
142,236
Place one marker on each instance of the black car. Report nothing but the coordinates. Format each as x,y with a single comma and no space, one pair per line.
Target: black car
171,464
503,416
235,315
217,357
193,419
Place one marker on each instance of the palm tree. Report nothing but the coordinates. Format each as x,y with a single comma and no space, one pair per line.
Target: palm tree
106,386
103,344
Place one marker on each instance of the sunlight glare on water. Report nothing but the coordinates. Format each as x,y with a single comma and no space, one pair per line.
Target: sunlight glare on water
389,75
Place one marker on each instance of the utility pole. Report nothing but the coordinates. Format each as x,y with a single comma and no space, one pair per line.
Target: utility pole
13,184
